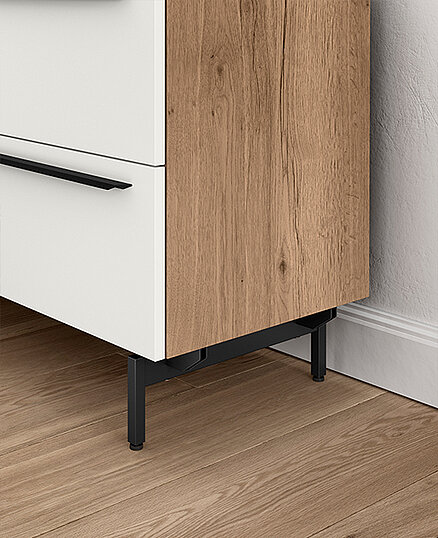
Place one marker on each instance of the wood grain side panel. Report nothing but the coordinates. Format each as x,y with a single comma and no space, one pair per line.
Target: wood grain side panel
267,163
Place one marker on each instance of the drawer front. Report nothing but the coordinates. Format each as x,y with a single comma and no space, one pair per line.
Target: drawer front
85,75
89,257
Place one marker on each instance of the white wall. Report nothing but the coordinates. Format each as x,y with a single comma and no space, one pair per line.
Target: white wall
404,158
391,340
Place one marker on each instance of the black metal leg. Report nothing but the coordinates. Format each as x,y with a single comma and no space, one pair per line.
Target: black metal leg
143,372
318,353
136,402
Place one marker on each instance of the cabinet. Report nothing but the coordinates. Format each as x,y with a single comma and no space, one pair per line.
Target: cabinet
242,131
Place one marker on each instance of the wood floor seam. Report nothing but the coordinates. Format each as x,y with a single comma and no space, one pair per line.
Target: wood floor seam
186,382
227,377
293,357
36,331
25,333
378,500
60,434
85,425
220,460
96,358
277,437
394,451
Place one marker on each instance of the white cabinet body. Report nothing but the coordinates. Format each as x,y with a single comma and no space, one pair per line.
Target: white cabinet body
82,88
91,258
85,75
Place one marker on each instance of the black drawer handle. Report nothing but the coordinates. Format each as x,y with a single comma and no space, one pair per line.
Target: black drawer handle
63,173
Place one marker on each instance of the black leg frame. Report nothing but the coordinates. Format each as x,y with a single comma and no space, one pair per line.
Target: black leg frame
143,372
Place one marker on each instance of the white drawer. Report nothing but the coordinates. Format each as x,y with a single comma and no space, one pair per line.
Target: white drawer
85,75
91,258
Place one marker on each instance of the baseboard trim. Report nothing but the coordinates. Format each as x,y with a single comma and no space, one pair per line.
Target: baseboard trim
402,327
386,350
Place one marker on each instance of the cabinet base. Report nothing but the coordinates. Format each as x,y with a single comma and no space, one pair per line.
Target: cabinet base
143,372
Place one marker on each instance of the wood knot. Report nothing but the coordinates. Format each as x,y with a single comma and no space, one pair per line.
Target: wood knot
283,267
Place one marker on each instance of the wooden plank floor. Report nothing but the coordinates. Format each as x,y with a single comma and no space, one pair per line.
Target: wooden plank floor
250,447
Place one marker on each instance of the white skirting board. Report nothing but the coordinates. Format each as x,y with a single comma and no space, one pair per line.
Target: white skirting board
383,349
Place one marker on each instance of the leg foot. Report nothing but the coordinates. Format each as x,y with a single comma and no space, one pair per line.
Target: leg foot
136,447
136,402
318,353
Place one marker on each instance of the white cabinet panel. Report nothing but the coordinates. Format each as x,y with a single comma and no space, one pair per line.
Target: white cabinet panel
85,74
91,258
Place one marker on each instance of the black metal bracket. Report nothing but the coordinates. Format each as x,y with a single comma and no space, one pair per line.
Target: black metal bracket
143,372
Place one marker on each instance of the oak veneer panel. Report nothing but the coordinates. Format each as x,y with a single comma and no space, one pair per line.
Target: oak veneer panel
291,486
409,513
88,469
267,163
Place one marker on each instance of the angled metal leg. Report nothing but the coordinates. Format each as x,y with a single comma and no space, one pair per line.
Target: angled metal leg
136,402
318,353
